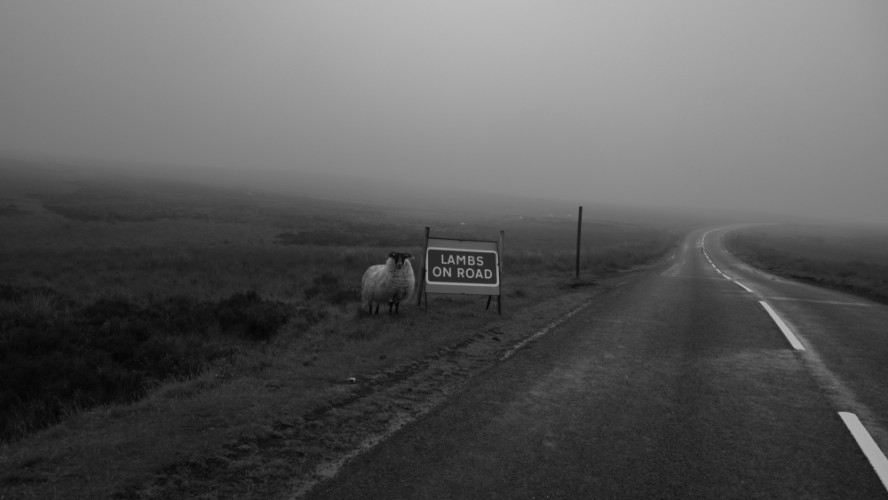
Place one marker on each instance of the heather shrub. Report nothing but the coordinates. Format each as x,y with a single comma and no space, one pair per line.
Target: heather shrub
247,315
57,356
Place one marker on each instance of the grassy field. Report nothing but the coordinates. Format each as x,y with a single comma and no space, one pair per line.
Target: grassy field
849,259
145,324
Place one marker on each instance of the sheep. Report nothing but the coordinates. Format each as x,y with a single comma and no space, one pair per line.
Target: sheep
390,282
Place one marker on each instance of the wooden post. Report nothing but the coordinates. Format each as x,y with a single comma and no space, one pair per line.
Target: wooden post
499,298
579,230
422,270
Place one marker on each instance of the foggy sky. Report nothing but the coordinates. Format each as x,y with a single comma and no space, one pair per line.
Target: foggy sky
777,105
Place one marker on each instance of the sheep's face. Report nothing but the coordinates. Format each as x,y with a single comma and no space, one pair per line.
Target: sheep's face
399,258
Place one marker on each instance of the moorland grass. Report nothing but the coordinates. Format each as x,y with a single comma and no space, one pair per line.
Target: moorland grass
848,260
56,354
189,428
183,326
106,325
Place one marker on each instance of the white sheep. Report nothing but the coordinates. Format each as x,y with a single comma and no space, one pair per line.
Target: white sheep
390,282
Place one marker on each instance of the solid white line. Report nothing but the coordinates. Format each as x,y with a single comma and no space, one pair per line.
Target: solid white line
783,328
741,285
870,448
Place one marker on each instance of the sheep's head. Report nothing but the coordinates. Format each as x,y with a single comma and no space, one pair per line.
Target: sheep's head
399,258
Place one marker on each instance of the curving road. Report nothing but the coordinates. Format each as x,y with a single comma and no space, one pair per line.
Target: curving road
677,384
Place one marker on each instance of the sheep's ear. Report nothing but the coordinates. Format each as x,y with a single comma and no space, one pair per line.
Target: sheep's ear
408,255
393,255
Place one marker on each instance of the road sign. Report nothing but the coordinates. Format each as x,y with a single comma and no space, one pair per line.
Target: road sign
462,266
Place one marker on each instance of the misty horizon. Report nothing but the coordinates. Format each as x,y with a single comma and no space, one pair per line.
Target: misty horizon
25,179
757,107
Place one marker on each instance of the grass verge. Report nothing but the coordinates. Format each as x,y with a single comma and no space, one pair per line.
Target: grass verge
154,344
849,260
250,426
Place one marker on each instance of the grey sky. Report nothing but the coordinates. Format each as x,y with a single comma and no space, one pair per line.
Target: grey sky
765,104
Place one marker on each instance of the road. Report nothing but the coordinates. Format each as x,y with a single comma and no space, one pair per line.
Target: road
678,384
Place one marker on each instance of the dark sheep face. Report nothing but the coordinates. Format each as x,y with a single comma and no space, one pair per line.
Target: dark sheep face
400,258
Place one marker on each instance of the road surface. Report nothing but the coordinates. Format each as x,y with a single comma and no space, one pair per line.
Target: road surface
702,379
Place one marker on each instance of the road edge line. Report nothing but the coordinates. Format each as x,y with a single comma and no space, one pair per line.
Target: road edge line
866,443
544,330
787,332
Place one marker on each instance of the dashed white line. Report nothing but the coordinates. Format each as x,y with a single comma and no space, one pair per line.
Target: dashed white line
867,445
793,340
864,440
725,276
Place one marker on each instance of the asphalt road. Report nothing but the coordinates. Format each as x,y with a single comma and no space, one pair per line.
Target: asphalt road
678,384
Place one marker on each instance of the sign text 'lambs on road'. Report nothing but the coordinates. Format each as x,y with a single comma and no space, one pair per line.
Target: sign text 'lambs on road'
474,267
462,267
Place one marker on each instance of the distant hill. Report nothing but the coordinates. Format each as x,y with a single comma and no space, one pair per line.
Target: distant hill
51,176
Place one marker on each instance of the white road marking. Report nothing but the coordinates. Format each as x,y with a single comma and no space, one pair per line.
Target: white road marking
793,340
867,445
725,276
329,468
545,330
673,269
864,440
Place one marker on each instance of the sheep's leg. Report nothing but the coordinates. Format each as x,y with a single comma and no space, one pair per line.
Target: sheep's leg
397,304
377,307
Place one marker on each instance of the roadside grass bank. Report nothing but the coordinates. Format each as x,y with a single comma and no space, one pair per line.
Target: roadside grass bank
846,259
62,353
250,425
179,343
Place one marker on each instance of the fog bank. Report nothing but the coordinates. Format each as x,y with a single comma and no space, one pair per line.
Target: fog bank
775,106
